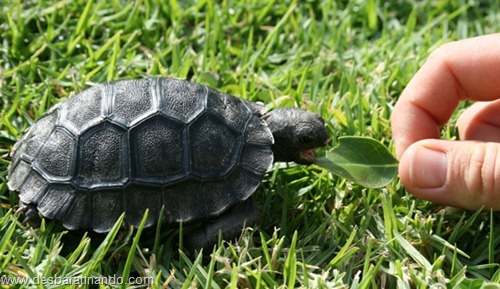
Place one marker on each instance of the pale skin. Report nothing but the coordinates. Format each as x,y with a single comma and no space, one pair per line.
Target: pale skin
463,173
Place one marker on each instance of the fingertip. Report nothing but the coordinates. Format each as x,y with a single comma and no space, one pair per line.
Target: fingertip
480,122
453,173
424,167
423,171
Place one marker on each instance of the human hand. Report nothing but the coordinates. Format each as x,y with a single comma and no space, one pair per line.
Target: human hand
463,173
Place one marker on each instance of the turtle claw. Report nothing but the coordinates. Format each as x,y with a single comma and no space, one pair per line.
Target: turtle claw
31,214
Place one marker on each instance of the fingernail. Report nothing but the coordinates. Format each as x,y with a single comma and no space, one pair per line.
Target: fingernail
428,168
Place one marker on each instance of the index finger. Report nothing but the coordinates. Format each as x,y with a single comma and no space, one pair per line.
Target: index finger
465,69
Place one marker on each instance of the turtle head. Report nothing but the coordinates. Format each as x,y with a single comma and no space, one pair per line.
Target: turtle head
296,132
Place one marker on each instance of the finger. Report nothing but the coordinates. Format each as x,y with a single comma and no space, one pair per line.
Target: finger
456,173
480,122
466,69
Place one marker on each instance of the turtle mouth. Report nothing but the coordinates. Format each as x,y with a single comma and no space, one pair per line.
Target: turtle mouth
307,157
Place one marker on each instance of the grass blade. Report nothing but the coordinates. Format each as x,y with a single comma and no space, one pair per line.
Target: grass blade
133,247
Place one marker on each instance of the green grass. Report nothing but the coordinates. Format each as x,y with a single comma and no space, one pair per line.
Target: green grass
347,60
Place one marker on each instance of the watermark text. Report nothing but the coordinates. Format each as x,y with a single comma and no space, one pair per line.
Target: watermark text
75,280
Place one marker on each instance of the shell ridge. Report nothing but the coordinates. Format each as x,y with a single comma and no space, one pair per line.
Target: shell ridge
243,134
204,100
110,92
187,147
130,158
104,103
27,158
156,97
256,109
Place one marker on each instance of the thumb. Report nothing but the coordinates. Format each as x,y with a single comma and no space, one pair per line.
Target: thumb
463,174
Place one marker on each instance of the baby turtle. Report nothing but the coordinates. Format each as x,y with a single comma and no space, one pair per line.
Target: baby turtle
132,145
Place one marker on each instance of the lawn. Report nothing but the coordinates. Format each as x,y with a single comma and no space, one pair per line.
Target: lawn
346,60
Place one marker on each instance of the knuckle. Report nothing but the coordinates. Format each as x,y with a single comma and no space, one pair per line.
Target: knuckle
481,173
443,51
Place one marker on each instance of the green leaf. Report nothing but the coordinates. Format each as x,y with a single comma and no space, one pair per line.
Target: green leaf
362,160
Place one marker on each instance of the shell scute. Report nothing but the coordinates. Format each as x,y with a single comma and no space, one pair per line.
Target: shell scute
214,147
131,101
56,159
180,99
158,150
229,109
83,111
102,157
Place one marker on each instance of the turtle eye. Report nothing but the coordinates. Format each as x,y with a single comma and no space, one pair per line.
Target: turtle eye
306,139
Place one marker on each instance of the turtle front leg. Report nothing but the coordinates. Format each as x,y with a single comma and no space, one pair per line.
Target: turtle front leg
31,214
230,224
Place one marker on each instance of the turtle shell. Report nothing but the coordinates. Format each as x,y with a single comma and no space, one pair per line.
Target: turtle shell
132,145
